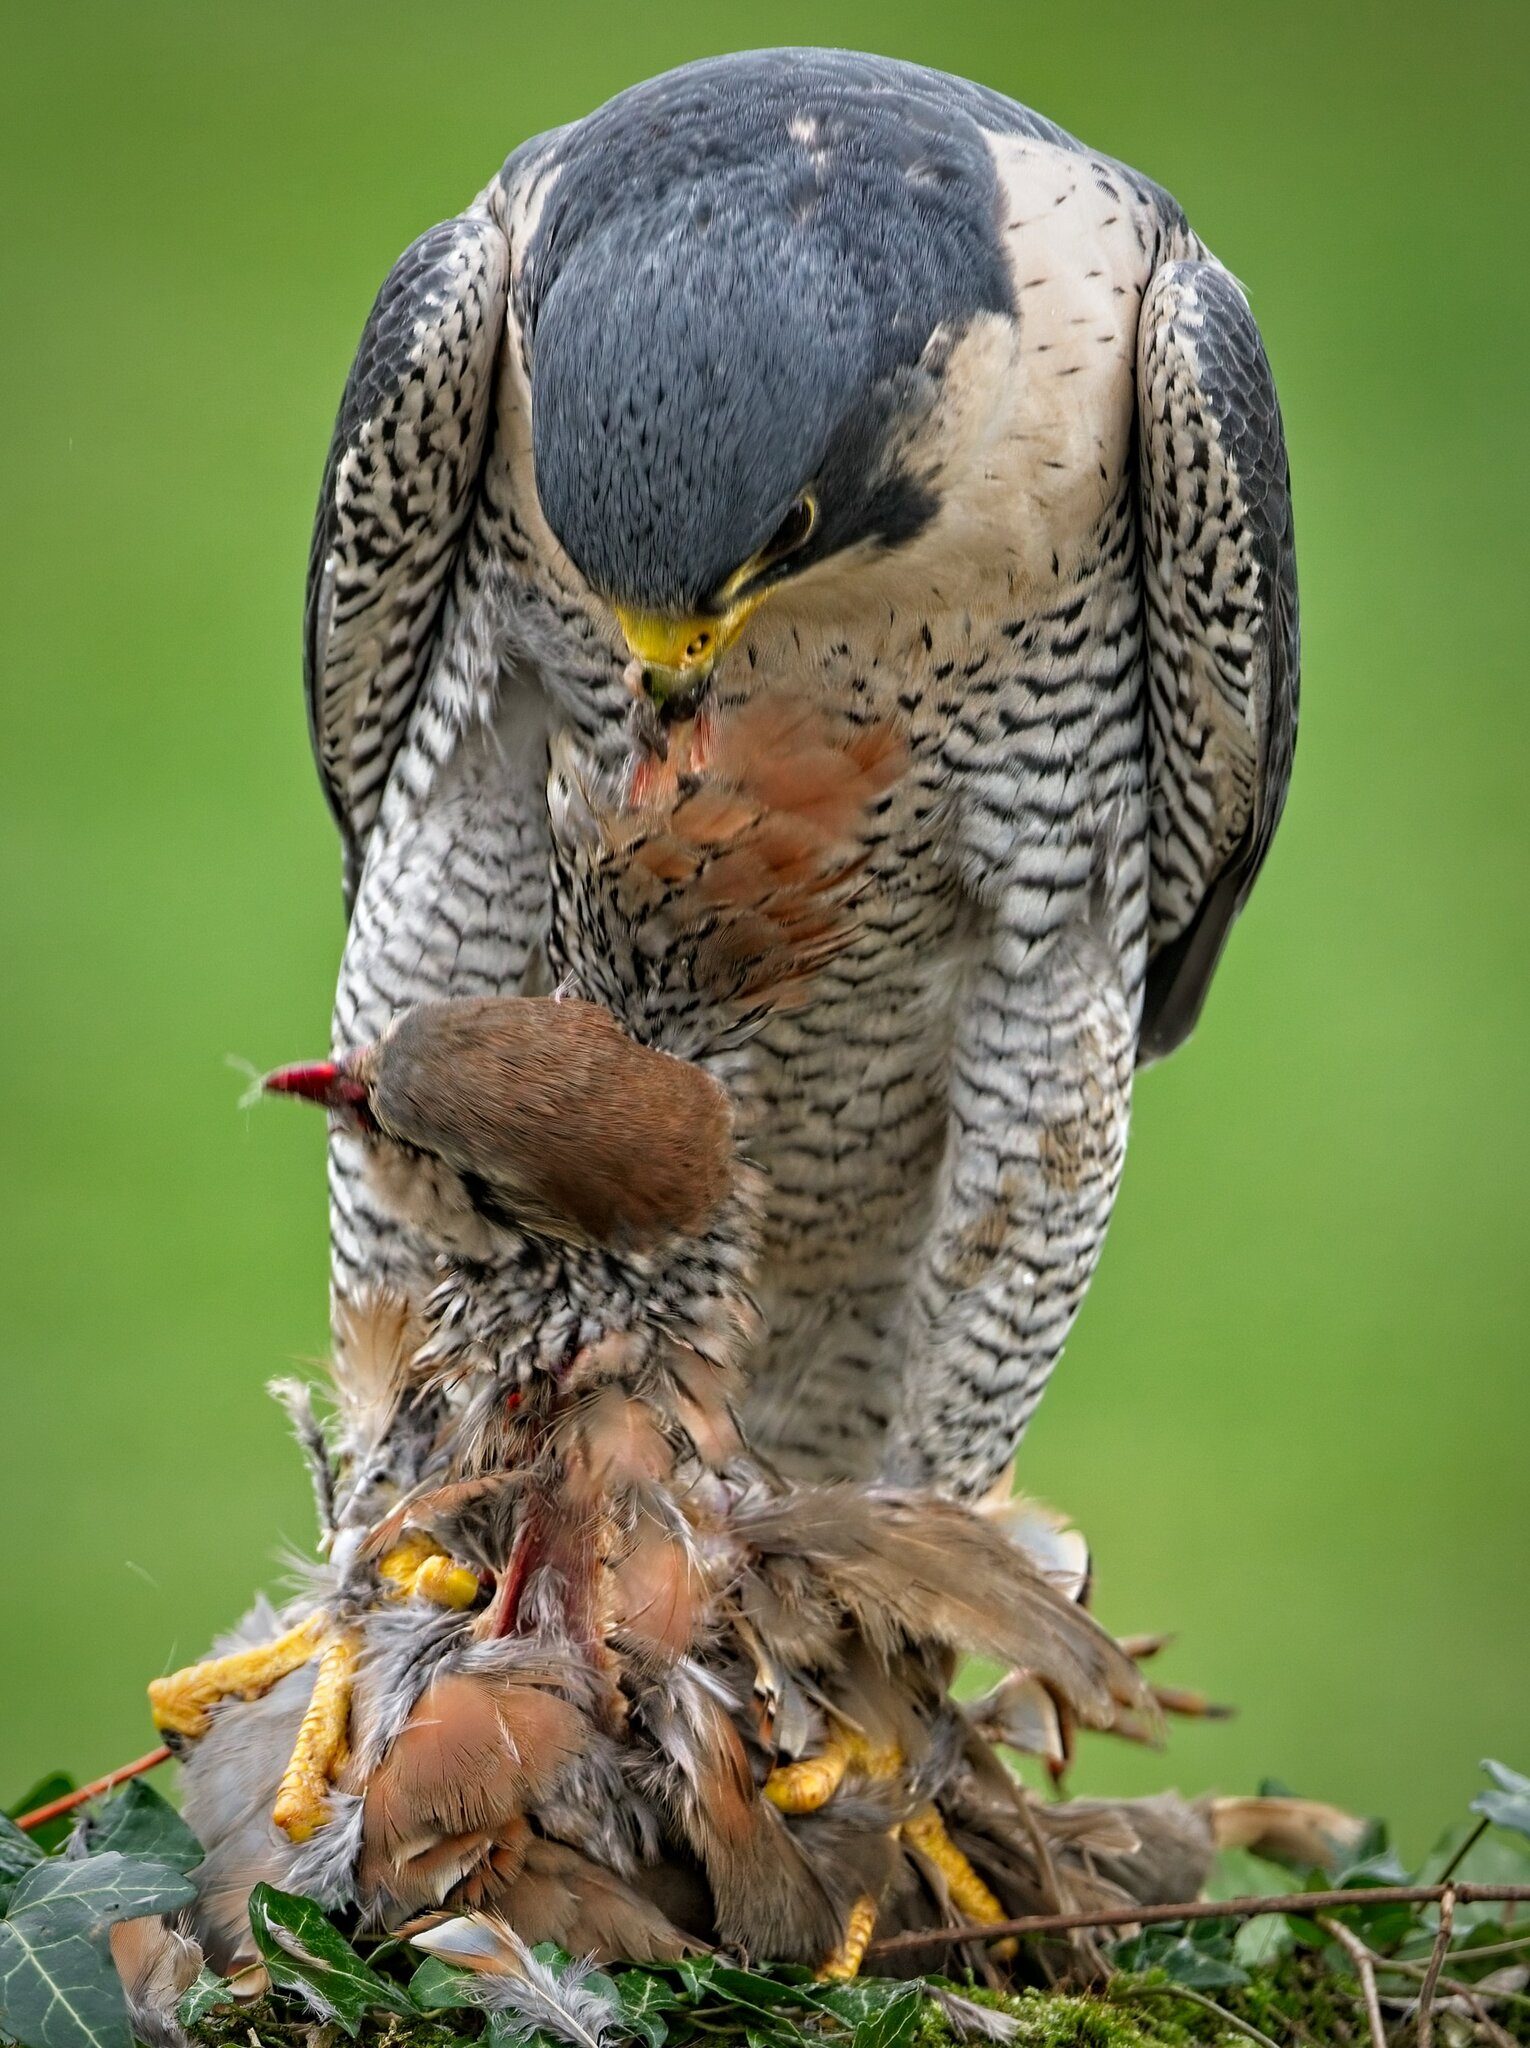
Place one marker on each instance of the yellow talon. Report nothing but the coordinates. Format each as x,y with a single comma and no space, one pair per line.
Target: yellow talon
419,1565
302,1799
926,1832
180,1703
811,1782
846,1960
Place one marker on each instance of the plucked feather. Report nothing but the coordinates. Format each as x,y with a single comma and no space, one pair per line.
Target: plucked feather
766,1895
921,1568
509,1978
157,1965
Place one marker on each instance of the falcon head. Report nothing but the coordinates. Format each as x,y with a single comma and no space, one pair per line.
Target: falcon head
742,297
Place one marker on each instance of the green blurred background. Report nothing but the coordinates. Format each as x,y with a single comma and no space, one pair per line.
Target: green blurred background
1295,1416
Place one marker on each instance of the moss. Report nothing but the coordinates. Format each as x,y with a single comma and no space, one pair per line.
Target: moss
278,2022
1296,2000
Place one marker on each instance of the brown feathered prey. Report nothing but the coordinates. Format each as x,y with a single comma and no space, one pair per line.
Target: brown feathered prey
579,1666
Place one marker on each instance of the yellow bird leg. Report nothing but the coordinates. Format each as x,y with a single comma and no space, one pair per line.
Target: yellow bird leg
302,1799
812,1781
846,1960
420,1566
926,1832
180,1703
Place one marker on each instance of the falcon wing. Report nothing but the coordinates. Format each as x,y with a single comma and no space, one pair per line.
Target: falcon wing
1224,651
398,486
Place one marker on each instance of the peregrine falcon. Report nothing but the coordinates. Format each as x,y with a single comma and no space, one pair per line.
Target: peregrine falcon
809,370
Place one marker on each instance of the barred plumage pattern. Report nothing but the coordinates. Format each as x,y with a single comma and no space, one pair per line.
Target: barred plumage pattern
1092,655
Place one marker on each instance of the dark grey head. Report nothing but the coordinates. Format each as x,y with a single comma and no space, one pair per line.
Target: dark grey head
731,297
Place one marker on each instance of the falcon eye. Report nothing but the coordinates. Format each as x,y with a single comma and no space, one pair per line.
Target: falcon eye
791,534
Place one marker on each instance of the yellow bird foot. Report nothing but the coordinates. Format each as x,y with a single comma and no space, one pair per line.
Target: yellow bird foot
811,1782
926,1832
419,1566
302,1799
181,1702
846,1960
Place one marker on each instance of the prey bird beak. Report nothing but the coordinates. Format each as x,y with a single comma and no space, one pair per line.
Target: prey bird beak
320,1081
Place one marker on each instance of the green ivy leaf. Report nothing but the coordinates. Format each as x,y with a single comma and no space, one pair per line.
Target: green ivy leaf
57,1990
18,1853
1262,1940
58,1987
861,1999
305,1954
758,1993
1508,1806
695,1974
437,1986
1207,1963
643,2001
43,1793
506,2031
207,1993
893,2025
95,1891
137,1822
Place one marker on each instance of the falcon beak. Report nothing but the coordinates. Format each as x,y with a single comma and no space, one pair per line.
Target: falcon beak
673,657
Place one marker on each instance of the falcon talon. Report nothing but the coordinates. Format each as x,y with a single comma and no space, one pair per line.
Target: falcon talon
927,1833
810,1783
302,1798
845,1963
180,1704
419,1567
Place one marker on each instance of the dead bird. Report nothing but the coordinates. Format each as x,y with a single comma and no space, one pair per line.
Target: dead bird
577,1658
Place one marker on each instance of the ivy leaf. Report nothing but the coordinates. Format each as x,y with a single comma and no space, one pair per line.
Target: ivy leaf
756,1992
643,2000
862,1998
305,1954
438,1986
1205,1964
57,1990
893,2025
1508,1806
506,2031
43,1793
58,1987
207,1993
695,1974
94,1891
18,1853
138,1822
1262,1940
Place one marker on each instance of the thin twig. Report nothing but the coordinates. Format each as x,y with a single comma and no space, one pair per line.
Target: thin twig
1205,1909
1464,1851
1416,1970
1360,1956
1432,1974
94,1789
1172,1990
1499,2036
1479,1953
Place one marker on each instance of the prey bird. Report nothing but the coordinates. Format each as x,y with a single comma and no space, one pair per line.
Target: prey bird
807,372
577,1657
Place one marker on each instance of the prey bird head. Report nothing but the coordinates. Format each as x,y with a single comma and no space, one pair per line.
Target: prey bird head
534,1114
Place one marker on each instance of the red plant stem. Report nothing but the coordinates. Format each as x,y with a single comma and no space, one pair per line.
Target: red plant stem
95,1788
1205,1909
